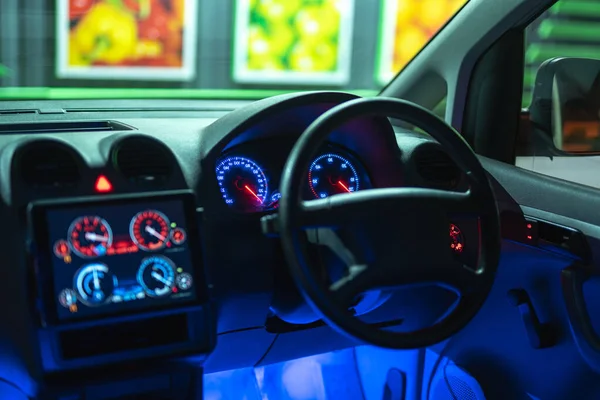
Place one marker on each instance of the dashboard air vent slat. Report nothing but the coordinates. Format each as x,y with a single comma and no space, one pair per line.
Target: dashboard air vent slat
143,160
48,164
437,168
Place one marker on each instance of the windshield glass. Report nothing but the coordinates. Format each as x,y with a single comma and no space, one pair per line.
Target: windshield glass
234,49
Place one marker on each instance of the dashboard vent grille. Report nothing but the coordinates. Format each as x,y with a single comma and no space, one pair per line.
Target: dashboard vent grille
143,160
437,168
62,127
48,164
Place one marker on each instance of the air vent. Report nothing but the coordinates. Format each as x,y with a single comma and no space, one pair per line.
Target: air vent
17,112
437,168
143,160
47,164
62,127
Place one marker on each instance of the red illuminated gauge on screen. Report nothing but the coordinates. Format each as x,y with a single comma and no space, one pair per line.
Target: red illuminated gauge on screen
90,236
457,242
61,249
150,230
178,236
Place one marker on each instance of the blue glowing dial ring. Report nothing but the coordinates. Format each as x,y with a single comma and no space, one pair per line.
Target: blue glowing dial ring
94,284
331,174
156,275
243,184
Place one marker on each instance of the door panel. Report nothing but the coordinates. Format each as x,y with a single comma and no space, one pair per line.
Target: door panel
495,347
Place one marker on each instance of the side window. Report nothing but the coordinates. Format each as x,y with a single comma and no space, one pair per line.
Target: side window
570,28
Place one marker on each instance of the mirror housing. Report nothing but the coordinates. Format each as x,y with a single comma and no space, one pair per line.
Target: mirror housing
566,104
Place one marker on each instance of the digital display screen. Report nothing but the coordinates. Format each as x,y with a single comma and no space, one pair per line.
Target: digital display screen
118,257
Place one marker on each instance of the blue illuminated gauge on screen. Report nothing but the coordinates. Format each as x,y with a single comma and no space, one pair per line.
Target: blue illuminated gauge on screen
156,275
95,284
184,281
242,183
332,174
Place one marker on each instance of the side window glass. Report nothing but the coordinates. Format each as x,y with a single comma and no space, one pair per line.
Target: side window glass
570,28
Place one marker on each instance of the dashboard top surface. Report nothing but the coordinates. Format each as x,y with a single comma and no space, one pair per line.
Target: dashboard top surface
194,133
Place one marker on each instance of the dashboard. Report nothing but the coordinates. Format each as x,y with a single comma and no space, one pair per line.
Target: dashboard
133,219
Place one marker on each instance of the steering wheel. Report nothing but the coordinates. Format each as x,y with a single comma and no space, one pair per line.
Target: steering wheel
407,231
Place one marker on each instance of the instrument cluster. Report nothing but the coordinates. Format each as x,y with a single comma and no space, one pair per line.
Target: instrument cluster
90,239
249,184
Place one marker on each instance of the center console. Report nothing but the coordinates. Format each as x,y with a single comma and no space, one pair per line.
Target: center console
118,279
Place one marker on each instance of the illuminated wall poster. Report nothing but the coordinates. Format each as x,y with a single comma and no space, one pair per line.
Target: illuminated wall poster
405,28
126,39
293,41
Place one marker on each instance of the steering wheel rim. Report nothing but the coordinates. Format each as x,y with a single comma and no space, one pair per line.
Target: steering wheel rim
295,215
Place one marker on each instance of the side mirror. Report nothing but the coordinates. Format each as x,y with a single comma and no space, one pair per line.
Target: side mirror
566,104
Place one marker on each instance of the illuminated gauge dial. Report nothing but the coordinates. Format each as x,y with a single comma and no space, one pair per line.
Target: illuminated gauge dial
242,183
331,174
178,236
67,298
156,275
184,281
90,236
457,241
150,230
95,284
274,200
61,249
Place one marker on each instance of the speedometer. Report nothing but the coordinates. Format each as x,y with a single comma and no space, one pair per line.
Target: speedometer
331,174
90,236
242,183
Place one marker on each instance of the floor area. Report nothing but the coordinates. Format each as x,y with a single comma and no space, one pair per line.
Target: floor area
322,377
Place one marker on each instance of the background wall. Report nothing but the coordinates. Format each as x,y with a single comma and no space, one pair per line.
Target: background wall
28,40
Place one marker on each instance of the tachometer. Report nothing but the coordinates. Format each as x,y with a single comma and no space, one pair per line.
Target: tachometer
331,174
150,230
243,183
156,275
90,236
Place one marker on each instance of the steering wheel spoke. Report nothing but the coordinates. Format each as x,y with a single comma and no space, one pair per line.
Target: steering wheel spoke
358,279
382,204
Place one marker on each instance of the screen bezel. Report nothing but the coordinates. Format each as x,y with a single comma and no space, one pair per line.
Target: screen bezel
42,250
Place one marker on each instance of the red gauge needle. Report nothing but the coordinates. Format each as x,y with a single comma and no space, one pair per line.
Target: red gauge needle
252,193
344,186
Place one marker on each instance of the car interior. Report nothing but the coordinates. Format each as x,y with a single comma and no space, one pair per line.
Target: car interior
316,244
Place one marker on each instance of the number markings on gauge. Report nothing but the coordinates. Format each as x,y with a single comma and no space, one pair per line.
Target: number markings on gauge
242,183
331,174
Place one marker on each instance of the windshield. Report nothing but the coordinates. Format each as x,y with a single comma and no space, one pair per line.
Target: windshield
234,49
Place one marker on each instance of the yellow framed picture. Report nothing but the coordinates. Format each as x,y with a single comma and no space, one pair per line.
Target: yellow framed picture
405,28
305,42
126,39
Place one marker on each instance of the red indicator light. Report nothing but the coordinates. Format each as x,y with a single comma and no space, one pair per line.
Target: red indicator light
528,226
529,237
103,185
